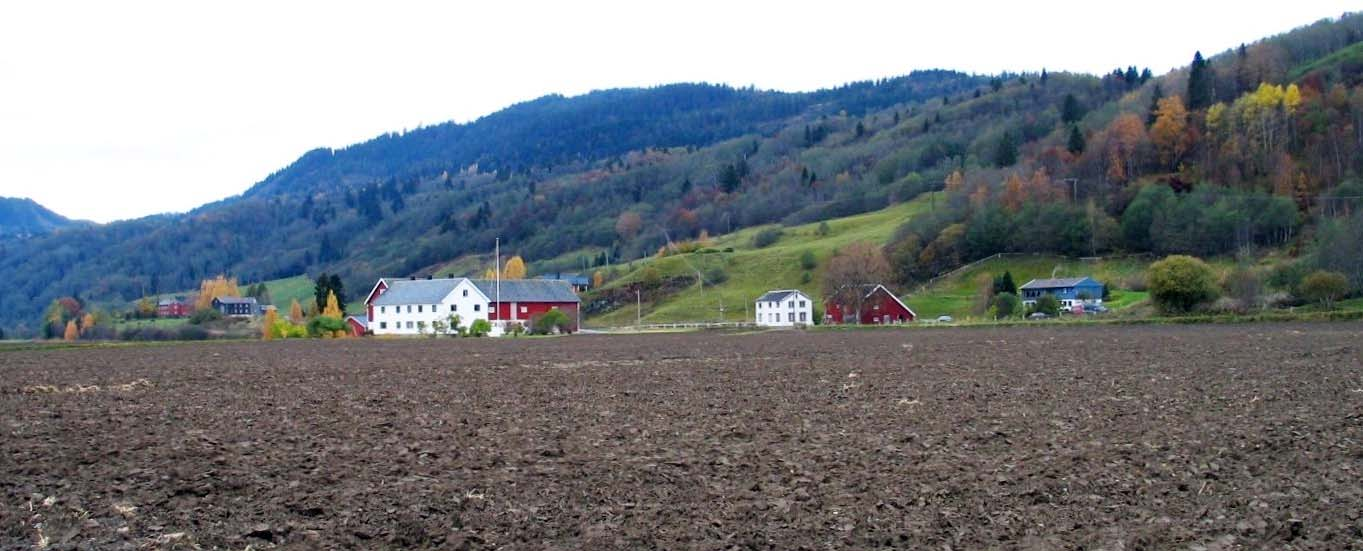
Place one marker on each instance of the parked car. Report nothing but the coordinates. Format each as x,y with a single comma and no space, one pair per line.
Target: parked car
1097,309
1037,316
945,319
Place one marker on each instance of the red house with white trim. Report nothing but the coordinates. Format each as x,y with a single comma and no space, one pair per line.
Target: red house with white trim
879,307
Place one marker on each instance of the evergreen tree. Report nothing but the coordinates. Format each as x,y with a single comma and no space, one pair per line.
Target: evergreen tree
1199,84
1076,142
1155,95
1006,153
1071,111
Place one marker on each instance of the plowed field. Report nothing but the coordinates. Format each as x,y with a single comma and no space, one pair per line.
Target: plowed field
1247,436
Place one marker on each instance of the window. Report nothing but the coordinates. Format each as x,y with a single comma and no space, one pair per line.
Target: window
381,309
790,316
409,325
477,307
759,306
791,304
383,325
802,317
523,310
466,292
409,308
454,307
418,308
802,304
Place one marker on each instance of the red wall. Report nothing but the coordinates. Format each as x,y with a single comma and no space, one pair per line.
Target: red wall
532,309
870,314
378,290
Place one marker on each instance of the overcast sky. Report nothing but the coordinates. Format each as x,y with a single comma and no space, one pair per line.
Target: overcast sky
112,110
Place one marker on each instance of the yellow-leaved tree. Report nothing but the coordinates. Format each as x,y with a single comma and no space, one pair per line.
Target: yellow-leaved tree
490,274
218,287
333,309
515,268
72,333
87,322
267,327
1170,131
296,312
598,279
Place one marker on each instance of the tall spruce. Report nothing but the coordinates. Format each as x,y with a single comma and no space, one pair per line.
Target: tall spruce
1200,91
1076,142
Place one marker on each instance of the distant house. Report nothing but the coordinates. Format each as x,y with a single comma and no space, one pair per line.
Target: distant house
579,282
879,306
784,308
173,307
1069,291
412,306
358,325
236,307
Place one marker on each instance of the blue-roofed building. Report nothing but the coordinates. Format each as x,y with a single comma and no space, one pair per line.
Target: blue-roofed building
1069,291
579,282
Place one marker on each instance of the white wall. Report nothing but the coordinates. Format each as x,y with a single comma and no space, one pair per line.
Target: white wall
469,304
785,314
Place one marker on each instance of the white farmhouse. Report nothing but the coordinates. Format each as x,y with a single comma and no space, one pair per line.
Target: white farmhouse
784,308
411,307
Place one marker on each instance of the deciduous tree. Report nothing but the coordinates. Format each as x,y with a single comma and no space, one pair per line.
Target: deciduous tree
1170,131
71,333
851,270
515,268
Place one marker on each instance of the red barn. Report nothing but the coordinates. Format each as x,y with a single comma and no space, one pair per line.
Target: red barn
357,325
879,306
523,300
176,307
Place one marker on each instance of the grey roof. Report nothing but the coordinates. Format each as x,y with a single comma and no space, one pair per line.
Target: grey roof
575,279
418,291
1055,283
528,290
776,296
362,318
236,300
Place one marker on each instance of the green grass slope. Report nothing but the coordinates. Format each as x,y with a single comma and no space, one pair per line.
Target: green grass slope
958,294
753,271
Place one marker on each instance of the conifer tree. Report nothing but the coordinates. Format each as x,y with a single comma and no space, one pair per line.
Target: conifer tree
1199,84
1076,142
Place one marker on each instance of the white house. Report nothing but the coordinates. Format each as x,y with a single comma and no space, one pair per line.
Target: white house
412,306
784,308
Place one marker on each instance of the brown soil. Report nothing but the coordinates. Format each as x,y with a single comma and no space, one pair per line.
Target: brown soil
1095,437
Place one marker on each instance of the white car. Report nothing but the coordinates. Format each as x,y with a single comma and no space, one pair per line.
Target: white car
945,319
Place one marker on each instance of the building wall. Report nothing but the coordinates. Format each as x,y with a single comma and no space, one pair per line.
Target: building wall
784,313
875,311
523,312
404,319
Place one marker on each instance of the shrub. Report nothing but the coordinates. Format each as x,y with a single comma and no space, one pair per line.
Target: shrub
823,229
806,277
479,328
282,329
650,278
1244,286
1179,283
766,237
716,275
1324,287
205,315
551,321
192,333
1006,305
322,326
1048,305
515,329
807,260
1136,283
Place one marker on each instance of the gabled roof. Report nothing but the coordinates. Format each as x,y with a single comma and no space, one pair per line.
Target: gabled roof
778,296
871,288
1057,283
575,279
236,300
416,291
527,290
361,319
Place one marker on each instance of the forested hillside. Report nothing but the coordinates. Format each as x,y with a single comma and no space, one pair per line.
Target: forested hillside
1255,147
19,216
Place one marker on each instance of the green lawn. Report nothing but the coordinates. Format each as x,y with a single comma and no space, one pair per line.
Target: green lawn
754,271
957,295
159,323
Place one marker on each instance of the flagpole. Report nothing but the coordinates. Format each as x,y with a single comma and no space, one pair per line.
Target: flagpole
497,271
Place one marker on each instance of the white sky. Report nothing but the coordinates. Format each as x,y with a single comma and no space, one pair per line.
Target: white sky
112,110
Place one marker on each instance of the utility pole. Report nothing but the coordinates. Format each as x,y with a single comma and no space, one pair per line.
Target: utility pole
1074,189
497,272
638,308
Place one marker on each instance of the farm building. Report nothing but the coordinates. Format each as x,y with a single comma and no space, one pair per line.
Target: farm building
357,325
1069,291
579,282
236,307
878,306
174,307
784,308
412,306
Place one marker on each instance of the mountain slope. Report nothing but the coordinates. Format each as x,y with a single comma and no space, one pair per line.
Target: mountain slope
24,216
